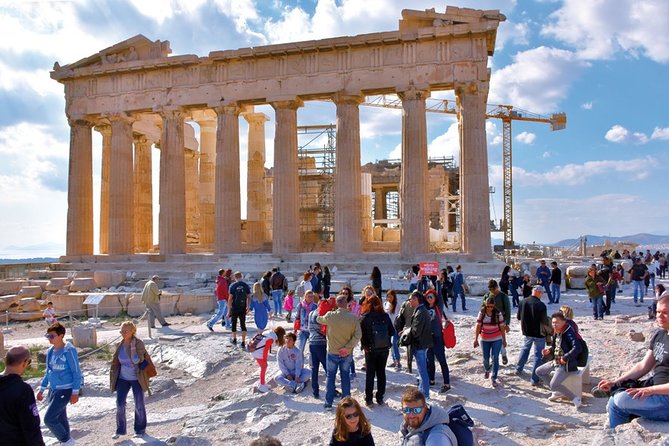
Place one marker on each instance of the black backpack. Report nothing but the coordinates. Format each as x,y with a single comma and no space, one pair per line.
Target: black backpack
380,335
582,358
239,298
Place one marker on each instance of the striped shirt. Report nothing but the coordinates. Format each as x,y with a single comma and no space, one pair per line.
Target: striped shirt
490,331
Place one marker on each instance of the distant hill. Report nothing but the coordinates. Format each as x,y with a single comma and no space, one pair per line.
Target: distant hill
31,260
641,239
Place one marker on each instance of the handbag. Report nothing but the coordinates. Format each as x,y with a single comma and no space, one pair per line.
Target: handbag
150,369
448,334
405,338
296,325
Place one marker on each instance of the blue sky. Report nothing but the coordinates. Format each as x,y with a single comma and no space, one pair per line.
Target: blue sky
604,63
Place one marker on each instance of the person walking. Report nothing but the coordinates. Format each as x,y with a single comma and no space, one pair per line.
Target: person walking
392,309
377,281
239,305
278,285
459,287
19,415
502,303
302,315
63,379
377,331
151,298
222,294
556,282
317,348
532,314
544,278
438,350
594,284
490,327
128,371
420,335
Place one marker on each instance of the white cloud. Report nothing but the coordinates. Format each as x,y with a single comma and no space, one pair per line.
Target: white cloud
600,29
587,105
620,134
446,144
516,33
546,155
526,137
158,10
660,133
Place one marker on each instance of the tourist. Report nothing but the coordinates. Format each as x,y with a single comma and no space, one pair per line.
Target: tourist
49,314
459,287
327,282
544,278
151,298
444,289
438,350
555,282
261,350
377,330
527,285
302,315
594,284
629,397
420,335
262,311
222,294
317,279
564,350
505,280
607,273
652,308
392,309
569,317
412,276
403,320
279,285
532,314
653,265
490,327
424,424
343,334
502,303
638,273
292,375
515,282
239,305
266,285
377,281
317,347
356,309
63,379
305,285
127,372
351,425
289,305
19,414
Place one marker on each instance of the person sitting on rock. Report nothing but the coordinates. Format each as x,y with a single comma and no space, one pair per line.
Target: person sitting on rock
628,396
292,375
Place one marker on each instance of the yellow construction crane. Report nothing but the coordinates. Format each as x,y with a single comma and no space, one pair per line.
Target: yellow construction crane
506,113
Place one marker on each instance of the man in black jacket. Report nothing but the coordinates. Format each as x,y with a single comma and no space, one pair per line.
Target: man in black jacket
531,313
421,339
19,416
402,320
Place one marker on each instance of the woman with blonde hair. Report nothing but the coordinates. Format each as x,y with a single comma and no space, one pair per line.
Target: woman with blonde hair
260,306
351,425
128,371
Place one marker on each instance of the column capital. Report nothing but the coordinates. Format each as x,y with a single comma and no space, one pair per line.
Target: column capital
103,128
122,117
255,117
228,109
140,139
286,103
342,97
472,87
413,92
169,112
83,120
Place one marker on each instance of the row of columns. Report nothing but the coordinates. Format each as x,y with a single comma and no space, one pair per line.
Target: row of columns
128,219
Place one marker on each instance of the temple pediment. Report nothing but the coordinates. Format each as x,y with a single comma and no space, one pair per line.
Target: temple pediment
130,50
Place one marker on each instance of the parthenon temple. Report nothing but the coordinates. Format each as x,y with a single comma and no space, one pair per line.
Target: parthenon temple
138,97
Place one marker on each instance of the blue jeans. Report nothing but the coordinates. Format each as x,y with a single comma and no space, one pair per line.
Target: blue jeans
539,344
652,281
227,322
334,363
555,289
122,388
437,352
277,298
55,417
493,347
598,307
514,296
547,287
302,339
318,354
396,347
621,407
455,301
423,376
220,312
638,290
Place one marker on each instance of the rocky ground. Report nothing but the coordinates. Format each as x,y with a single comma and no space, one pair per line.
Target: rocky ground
204,392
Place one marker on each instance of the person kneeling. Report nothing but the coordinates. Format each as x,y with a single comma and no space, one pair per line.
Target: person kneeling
292,374
564,349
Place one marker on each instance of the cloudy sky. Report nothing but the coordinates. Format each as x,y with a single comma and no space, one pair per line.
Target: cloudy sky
604,63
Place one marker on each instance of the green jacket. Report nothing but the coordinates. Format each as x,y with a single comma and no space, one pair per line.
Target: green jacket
343,329
502,303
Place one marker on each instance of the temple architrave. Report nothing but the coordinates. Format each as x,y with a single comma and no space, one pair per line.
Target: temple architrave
139,97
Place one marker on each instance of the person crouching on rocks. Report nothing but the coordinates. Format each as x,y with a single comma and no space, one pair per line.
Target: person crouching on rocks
261,351
292,375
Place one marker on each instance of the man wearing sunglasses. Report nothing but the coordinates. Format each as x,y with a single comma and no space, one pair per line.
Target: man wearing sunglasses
19,416
424,425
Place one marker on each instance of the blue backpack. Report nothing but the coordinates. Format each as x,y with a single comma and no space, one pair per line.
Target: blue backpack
460,424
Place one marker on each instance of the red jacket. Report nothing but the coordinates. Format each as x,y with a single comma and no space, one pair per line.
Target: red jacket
222,288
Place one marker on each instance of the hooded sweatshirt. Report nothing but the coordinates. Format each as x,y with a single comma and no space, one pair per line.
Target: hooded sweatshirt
19,416
434,430
290,361
62,369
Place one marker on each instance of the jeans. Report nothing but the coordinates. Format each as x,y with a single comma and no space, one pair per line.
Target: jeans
547,287
610,297
156,313
227,321
555,289
598,307
539,344
638,290
291,385
376,368
421,365
621,407
437,352
220,312
55,417
122,388
493,347
514,296
302,339
455,301
396,347
652,281
559,375
277,298
334,363
319,355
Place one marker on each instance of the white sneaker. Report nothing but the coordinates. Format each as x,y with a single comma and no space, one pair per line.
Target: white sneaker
69,442
263,388
577,402
554,396
299,388
116,436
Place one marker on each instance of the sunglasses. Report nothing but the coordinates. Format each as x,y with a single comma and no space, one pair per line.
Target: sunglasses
412,410
352,415
50,336
29,361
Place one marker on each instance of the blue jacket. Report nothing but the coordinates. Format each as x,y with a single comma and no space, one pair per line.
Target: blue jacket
62,369
570,346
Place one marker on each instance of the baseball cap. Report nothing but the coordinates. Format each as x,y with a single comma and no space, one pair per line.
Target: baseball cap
538,288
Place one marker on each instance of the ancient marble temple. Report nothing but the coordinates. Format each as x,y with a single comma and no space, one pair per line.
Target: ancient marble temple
138,96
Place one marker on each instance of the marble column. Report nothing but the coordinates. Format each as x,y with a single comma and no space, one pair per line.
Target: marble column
172,194
256,212
414,233
121,191
227,231
474,186
348,192
207,176
285,204
192,186
143,195
80,189
105,131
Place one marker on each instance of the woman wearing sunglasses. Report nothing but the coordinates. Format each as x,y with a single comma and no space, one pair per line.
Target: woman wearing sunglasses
351,425
490,327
